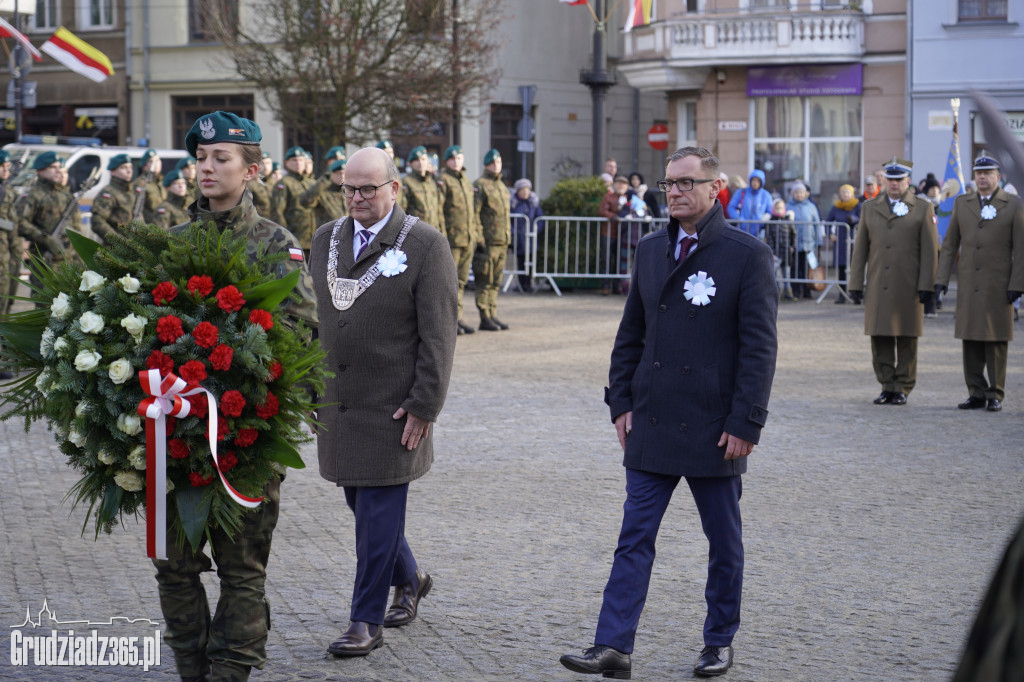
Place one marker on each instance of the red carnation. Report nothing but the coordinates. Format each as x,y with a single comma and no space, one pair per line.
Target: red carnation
227,461
232,403
198,480
276,370
262,318
177,448
161,361
200,285
269,408
220,358
192,371
199,406
230,299
246,437
168,329
164,293
205,335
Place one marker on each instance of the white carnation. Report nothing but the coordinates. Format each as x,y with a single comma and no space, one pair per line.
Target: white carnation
60,344
105,456
129,423
134,325
120,371
129,284
129,480
91,323
77,438
60,306
46,342
92,281
87,360
137,457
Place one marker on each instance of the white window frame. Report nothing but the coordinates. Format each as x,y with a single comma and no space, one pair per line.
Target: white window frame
85,16
51,25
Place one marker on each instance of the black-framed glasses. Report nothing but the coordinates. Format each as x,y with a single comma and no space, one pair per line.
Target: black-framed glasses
682,184
366,191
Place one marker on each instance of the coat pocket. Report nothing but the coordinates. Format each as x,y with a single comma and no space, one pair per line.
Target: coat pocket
712,396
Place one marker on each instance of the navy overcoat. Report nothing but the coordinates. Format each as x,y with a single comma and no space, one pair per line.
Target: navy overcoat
689,372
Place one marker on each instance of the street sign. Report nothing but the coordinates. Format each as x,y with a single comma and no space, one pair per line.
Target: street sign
526,146
732,126
28,94
657,136
526,128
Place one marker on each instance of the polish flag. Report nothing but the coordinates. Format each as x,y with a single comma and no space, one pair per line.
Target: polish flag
8,31
573,2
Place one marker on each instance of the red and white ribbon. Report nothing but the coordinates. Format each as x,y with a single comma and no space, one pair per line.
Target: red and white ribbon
167,399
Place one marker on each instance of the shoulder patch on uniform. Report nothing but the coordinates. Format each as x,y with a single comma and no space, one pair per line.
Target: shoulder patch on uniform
106,195
295,254
280,185
161,210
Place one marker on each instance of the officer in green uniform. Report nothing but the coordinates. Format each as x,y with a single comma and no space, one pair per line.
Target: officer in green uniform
226,647
259,189
461,222
387,147
113,207
493,205
421,194
324,197
148,181
187,168
335,154
40,212
286,197
174,209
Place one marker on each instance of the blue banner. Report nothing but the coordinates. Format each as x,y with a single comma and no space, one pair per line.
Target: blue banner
950,190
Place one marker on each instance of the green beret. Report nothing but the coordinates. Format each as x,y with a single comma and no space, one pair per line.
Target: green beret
276,167
335,153
118,161
5,156
46,159
384,144
293,152
186,161
265,155
490,156
417,153
308,154
171,177
337,165
222,126
146,156
451,151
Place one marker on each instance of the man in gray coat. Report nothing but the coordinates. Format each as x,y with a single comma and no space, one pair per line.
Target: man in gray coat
388,289
691,373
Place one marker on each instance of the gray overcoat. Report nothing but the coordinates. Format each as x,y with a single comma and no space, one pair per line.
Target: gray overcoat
899,255
991,263
393,348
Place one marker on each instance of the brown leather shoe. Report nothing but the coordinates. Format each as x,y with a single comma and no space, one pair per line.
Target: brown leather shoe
407,600
357,640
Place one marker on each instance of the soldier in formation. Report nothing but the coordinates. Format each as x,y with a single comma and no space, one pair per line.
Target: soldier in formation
422,195
113,207
41,213
286,197
258,186
462,224
493,205
148,183
10,240
187,169
324,197
174,209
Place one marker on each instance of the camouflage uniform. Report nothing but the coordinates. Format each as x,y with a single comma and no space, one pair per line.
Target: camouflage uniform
172,211
155,195
11,243
296,217
39,213
326,201
493,204
462,224
423,196
191,191
112,208
234,640
260,198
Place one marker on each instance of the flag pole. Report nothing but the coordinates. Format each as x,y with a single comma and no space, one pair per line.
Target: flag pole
955,103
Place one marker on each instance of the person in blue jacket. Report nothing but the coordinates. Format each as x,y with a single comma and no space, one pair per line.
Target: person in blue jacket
526,202
753,202
810,234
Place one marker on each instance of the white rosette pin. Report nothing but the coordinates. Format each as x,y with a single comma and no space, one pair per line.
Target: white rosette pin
988,212
392,262
699,288
900,209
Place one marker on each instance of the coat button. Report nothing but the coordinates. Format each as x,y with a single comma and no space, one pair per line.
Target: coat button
662,307
693,313
342,408
653,421
686,369
888,246
682,427
342,367
342,323
886,267
657,365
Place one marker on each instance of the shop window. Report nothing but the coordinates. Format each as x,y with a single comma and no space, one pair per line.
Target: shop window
982,10
185,111
95,14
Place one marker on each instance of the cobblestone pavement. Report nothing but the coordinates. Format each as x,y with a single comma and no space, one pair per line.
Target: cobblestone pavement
870,531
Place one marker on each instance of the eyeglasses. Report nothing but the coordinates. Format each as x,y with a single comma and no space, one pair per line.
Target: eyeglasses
366,191
682,184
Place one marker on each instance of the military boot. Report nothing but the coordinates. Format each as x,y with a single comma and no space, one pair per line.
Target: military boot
488,325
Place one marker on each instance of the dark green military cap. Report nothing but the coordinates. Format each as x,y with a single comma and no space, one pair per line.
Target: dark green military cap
171,177
146,156
335,153
490,156
417,153
384,144
118,160
5,156
46,159
293,152
266,155
308,154
186,161
275,167
451,151
222,126
337,165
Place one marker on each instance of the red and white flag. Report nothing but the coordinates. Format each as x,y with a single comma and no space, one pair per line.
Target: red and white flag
573,2
8,31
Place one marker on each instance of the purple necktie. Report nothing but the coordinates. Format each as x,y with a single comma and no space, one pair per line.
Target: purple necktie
365,237
684,248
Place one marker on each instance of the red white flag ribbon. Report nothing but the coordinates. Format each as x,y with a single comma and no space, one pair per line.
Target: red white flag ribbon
167,399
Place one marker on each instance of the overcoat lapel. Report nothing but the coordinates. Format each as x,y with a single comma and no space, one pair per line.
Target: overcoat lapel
345,235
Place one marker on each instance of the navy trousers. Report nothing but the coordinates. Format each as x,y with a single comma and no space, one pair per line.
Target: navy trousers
383,557
647,497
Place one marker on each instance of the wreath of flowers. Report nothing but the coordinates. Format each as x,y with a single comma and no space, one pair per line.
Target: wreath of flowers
191,304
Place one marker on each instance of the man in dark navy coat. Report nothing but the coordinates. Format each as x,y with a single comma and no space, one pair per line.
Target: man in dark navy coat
691,372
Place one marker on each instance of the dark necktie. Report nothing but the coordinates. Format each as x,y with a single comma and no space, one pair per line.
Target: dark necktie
684,248
364,237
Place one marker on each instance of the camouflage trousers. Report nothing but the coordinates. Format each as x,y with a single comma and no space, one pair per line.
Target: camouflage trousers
488,266
7,270
235,640
463,256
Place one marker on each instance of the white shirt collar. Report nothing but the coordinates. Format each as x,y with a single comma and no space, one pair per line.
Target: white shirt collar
375,229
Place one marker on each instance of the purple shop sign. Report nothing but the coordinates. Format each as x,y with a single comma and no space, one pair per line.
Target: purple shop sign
804,80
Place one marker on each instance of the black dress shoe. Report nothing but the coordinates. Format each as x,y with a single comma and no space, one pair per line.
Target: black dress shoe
605,660
714,660
357,640
465,328
898,399
883,398
498,322
994,405
407,600
972,403
488,325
